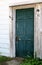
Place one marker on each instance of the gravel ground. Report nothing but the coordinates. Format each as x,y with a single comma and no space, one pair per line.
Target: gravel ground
13,62
16,61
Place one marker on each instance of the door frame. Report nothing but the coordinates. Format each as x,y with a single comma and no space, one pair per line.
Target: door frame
13,25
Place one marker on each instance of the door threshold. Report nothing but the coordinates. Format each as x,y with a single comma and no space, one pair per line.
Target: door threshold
19,59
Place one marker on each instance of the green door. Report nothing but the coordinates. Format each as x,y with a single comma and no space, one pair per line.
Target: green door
25,32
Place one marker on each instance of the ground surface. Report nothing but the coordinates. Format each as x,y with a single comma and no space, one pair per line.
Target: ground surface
15,61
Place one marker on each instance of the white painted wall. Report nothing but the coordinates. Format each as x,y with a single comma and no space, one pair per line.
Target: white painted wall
18,2
4,28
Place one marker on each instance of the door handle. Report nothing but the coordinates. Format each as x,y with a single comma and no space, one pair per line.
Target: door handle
17,38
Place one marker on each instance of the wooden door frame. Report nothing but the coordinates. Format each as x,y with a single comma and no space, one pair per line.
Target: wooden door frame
13,25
